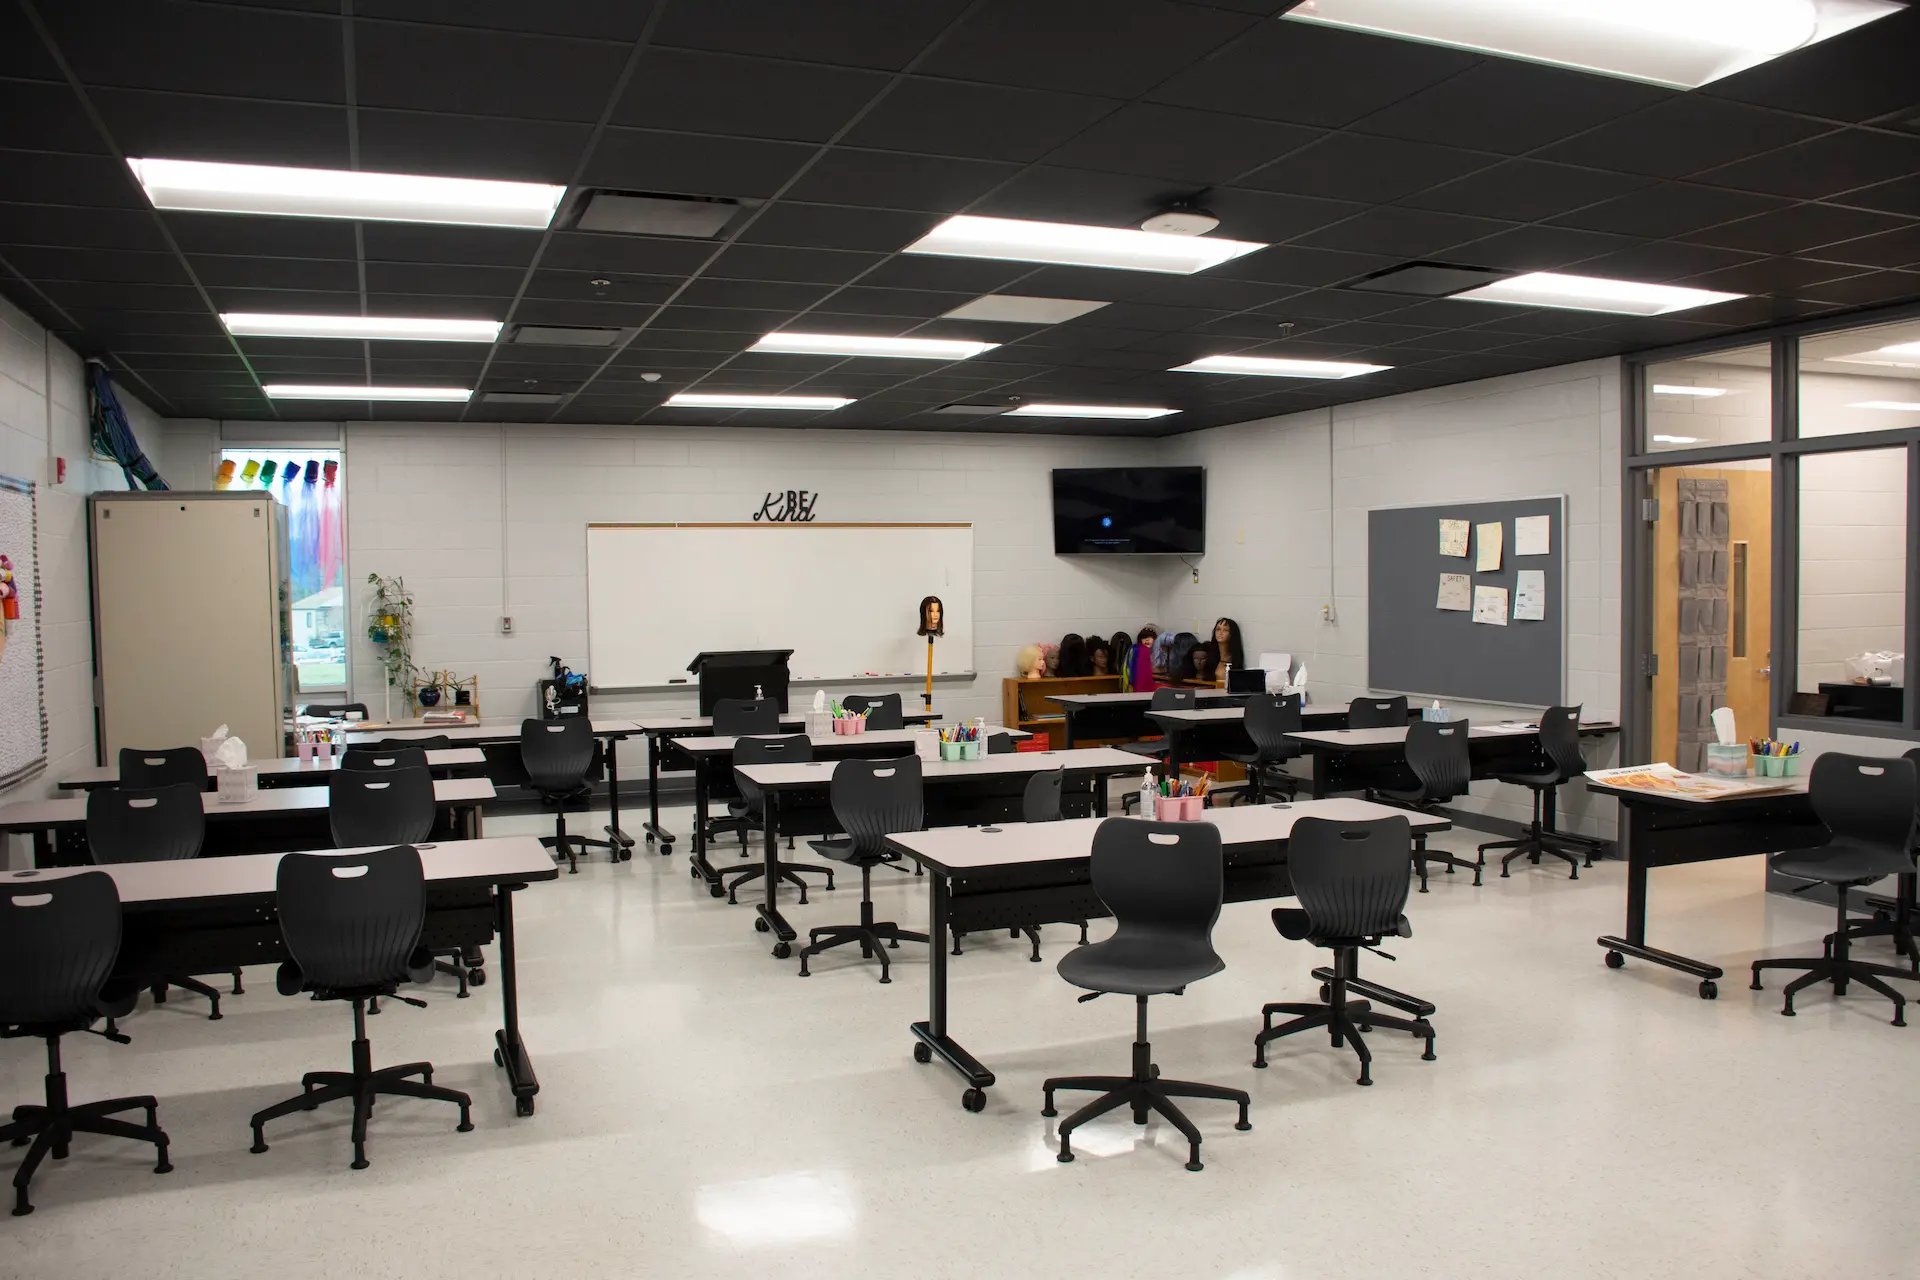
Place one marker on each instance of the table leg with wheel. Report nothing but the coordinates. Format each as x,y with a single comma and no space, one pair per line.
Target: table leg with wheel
509,1051
931,1036
767,917
1640,851
622,842
700,866
652,827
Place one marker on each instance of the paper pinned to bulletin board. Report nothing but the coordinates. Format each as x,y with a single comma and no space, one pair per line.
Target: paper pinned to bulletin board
23,702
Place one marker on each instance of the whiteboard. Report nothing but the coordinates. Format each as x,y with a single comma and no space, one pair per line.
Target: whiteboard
844,597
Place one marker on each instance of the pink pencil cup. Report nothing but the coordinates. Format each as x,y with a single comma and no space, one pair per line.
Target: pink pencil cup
306,751
1169,808
323,751
1190,807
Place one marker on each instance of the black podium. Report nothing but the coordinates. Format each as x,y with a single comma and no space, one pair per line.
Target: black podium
741,673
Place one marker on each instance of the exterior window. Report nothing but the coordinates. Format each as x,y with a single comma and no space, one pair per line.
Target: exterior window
308,483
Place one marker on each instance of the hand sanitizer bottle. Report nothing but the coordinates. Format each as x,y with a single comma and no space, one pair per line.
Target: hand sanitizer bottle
1148,794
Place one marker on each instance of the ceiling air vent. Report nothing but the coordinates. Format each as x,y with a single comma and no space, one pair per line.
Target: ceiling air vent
961,409
641,213
1427,279
554,335
524,397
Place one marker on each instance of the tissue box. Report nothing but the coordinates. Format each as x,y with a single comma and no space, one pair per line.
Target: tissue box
237,786
1727,761
819,724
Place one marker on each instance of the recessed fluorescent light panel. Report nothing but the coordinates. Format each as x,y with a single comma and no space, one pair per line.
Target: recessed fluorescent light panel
205,187
1088,411
1265,367
256,325
1069,244
1676,439
1681,43
1703,393
294,391
1892,406
704,400
1594,293
843,344
1010,308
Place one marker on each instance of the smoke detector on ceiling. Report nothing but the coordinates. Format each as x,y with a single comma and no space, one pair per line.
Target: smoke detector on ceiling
1181,218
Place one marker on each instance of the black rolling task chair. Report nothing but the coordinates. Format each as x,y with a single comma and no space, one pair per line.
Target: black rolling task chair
388,805
334,710
376,759
157,824
59,939
1163,882
872,799
1377,713
1560,743
557,755
1889,921
1437,754
1270,718
1164,699
430,742
883,709
146,769
1868,804
741,718
1351,878
1040,802
797,749
352,925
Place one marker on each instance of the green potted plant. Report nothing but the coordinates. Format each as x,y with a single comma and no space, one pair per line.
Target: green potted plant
390,625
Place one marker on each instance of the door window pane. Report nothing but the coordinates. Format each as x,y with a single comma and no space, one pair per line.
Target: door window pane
1860,380
1724,398
307,482
1712,604
1853,585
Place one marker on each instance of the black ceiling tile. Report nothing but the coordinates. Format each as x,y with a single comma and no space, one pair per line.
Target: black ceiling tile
890,180
1119,48
1349,166
614,286
272,367
570,372
1270,217
1141,315
596,254
226,362
1310,268
182,127
136,344
818,226
1535,248
750,97
1206,291
1180,144
22,54
1312,75
1825,166
483,246
1441,313
38,116
804,266
1088,284
987,122
1902,195
97,295
512,383
725,320
1476,109
471,146
330,274
200,48
439,305
1853,77
444,278
863,300
1797,229
857,33
1764,309
1767,275
763,294
284,301
1408,232
1568,349
32,177
1682,136
1652,331
259,349
1052,194
1479,365
80,227
110,322
619,315
234,233
957,275
1897,248
446,353
1525,191
1313,308
686,164
1661,260
46,263
484,73
660,343
591,19
1669,209
1870,288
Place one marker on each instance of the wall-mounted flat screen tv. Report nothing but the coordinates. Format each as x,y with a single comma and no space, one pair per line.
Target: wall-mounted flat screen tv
1129,510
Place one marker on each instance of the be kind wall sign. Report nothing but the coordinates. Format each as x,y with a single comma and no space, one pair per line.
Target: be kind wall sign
794,506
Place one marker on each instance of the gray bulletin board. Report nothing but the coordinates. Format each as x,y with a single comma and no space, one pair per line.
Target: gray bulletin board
1414,647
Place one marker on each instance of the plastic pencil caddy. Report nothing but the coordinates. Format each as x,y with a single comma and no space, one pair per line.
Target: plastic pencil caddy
1190,807
970,750
306,750
950,750
1170,808
237,786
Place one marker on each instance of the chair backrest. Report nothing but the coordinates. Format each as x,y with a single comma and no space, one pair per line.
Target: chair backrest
354,921
1159,878
391,807
58,941
883,709
1437,754
735,717
1560,740
556,753
334,710
1351,877
873,799
428,742
797,749
1173,700
1269,719
1377,713
1041,800
377,759
1867,798
143,768
156,824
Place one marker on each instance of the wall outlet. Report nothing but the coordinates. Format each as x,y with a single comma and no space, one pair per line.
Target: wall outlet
1326,613
506,626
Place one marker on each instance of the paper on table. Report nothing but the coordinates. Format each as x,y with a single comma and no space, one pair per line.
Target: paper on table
1530,595
1532,535
1490,542
1456,592
1453,537
1490,605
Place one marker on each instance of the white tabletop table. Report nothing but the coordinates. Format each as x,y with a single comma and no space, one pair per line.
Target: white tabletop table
285,771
